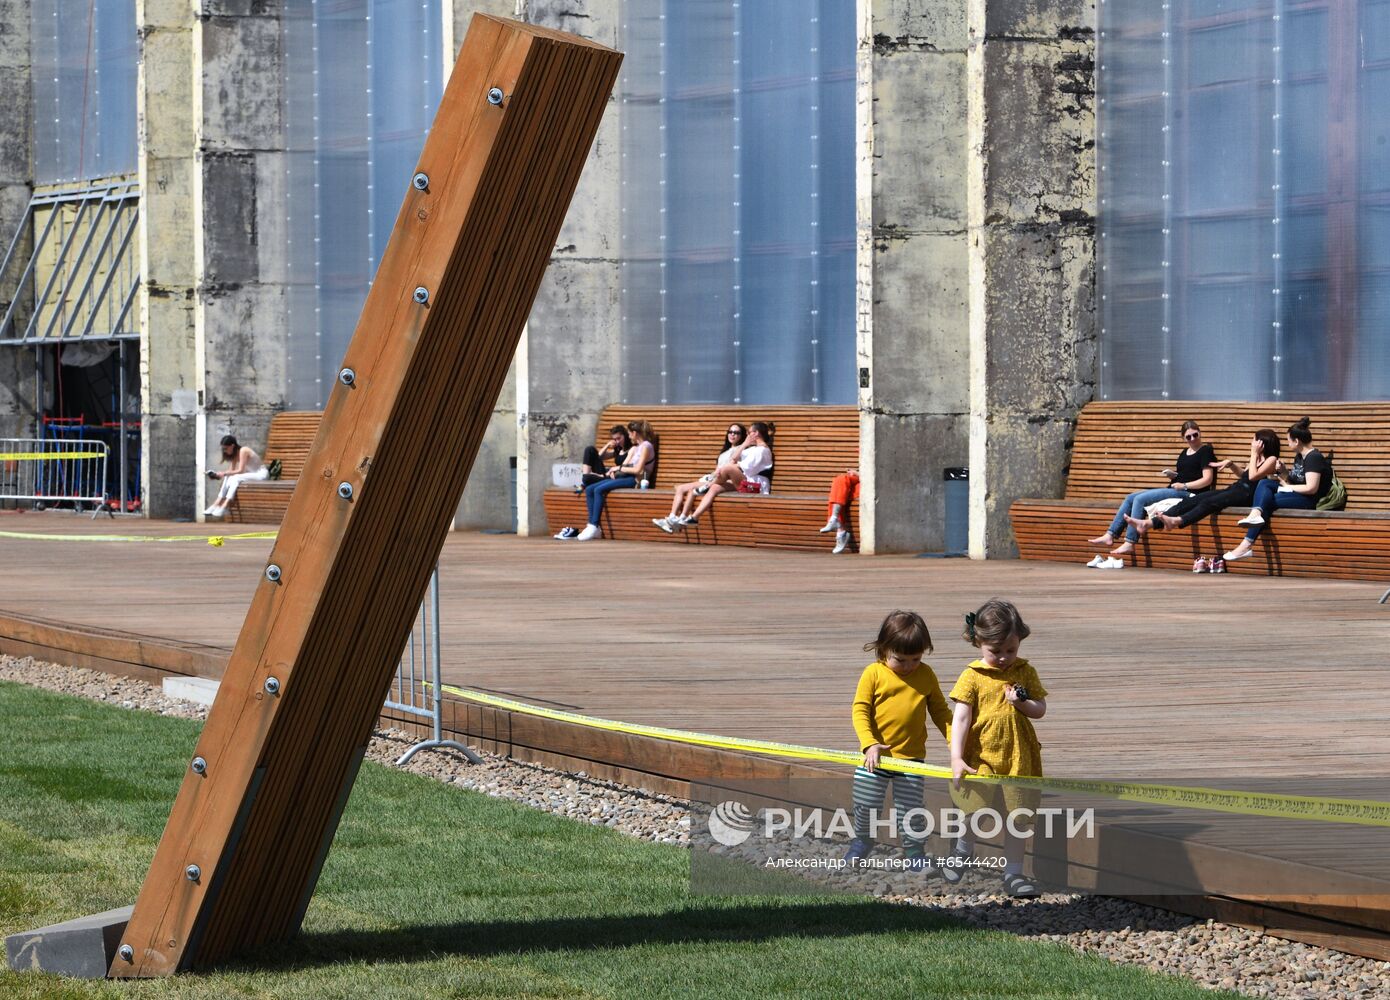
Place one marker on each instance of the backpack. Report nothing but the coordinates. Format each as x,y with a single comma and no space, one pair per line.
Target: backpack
1336,498
272,469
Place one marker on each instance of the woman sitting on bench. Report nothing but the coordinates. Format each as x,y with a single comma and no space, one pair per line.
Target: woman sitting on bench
1192,474
638,465
744,472
1306,483
687,493
246,467
1264,456
594,471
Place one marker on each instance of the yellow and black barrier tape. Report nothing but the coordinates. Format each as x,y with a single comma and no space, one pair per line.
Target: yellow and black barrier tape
1361,812
214,540
47,456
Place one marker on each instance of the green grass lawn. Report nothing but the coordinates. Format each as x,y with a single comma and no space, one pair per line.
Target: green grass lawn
434,892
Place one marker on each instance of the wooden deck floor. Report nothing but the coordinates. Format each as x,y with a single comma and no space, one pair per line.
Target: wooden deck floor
1153,675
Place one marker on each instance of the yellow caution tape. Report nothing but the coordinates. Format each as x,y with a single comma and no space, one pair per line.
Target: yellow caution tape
34,456
1362,812
216,540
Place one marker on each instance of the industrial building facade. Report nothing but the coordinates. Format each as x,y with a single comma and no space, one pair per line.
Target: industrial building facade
888,203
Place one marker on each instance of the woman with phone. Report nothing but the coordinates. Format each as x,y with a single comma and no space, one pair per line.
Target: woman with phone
246,467
1191,474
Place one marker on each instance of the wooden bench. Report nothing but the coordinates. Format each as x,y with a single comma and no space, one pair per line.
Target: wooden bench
1122,446
812,445
290,438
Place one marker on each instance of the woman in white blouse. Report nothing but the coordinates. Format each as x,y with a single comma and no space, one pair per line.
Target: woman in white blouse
748,463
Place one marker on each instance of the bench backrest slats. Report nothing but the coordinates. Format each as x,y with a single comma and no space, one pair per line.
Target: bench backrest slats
290,438
1122,446
812,444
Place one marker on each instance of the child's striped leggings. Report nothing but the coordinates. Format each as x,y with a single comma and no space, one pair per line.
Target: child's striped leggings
869,790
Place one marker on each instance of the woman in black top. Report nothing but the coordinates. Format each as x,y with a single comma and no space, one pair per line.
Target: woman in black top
619,444
1192,474
1264,456
1301,488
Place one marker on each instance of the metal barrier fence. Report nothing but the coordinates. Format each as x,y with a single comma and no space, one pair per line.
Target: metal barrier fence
54,471
418,689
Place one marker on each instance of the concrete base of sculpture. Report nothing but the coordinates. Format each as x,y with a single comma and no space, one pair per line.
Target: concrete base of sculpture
81,948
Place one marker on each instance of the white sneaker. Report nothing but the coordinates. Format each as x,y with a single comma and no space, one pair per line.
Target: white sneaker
216,512
211,511
1096,560
1235,555
1111,562
1256,516
664,523
841,542
590,532
832,525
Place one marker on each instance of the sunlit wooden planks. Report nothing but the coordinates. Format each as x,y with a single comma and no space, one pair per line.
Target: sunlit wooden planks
812,445
290,438
241,852
1122,446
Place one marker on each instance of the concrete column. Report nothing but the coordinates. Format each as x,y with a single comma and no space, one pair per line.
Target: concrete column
911,263
1031,181
568,369
167,234
239,220
486,501
17,415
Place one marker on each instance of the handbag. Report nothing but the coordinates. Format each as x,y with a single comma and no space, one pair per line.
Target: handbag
1336,498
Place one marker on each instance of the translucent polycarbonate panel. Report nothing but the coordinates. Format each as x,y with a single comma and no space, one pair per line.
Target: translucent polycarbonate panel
84,76
738,201
1244,203
362,81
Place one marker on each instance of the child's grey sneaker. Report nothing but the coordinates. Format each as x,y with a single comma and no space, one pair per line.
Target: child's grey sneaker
953,873
1020,886
859,849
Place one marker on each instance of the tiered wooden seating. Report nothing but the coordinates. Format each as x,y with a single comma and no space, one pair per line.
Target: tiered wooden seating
290,438
1122,446
812,445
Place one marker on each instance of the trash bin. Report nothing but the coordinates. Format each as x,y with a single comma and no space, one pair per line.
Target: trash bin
514,517
957,487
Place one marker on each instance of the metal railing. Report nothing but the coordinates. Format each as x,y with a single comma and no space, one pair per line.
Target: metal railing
418,689
54,471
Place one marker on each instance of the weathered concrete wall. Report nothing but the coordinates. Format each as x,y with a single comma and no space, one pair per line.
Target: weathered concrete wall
239,215
17,417
486,501
568,369
166,237
1032,205
912,312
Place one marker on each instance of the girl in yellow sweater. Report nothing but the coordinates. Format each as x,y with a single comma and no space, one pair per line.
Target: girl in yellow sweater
896,693
997,698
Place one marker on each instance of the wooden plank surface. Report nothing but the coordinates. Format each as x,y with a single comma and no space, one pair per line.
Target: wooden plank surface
241,852
1122,446
766,643
1344,545
775,521
811,444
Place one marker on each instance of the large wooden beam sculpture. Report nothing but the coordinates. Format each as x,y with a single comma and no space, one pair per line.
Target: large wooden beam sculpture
262,797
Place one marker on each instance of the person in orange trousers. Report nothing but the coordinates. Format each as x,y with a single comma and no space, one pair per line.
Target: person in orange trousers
843,489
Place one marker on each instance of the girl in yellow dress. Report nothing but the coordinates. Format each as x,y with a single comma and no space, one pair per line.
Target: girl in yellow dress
997,698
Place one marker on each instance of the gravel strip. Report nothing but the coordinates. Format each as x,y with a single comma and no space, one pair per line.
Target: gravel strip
1212,954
